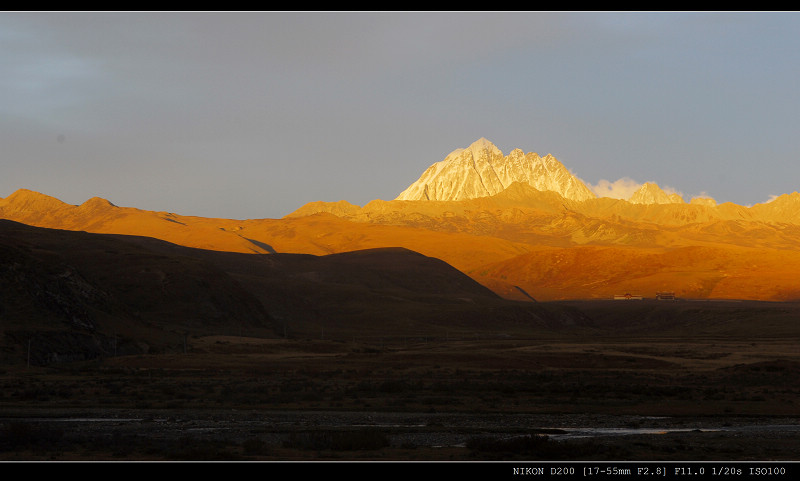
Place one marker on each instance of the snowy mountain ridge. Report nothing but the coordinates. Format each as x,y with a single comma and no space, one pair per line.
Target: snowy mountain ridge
481,170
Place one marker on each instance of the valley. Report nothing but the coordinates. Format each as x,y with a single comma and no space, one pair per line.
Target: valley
518,322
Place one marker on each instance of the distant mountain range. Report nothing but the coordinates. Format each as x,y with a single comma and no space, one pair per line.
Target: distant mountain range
521,225
484,178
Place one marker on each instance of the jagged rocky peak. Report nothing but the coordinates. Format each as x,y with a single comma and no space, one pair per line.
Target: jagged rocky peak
676,198
481,170
651,193
482,147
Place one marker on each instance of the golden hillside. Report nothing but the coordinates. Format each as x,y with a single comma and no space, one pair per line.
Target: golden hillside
520,241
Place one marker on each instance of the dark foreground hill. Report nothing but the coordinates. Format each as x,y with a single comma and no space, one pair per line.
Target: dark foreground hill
376,294
67,295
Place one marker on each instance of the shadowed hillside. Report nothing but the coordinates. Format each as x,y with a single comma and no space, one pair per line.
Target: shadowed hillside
372,294
74,295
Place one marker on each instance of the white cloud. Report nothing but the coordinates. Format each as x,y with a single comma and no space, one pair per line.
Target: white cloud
619,189
670,190
624,188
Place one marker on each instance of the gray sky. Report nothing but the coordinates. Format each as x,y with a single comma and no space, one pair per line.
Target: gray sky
253,114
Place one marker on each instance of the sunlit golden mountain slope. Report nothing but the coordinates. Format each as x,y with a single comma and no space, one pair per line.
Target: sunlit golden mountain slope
521,213
601,247
317,234
101,216
521,242
725,272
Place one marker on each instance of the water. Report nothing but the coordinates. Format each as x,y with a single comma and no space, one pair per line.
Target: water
423,429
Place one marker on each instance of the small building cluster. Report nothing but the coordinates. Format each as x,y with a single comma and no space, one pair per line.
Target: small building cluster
627,297
660,296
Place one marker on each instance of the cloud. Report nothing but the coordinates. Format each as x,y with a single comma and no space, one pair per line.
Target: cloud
619,189
670,190
624,188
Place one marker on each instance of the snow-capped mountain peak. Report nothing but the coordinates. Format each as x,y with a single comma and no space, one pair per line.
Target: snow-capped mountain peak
482,170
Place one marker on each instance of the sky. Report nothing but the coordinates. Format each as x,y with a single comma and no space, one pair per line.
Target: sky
248,115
